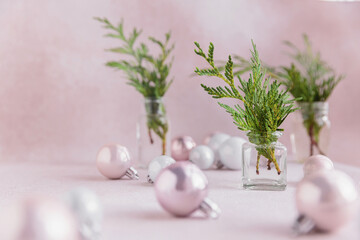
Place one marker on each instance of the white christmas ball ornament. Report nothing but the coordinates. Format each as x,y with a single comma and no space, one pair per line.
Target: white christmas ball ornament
202,156
230,153
86,205
215,141
38,218
158,164
208,137
317,163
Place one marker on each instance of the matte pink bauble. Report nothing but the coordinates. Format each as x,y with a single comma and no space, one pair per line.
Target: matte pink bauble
181,147
317,163
39,218
113,161
328,199
181,189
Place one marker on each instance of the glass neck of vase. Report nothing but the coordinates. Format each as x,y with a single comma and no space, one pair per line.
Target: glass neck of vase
319,111
264,138
154,106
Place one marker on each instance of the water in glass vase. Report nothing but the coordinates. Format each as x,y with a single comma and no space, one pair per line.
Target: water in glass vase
264,163
311,130
153,133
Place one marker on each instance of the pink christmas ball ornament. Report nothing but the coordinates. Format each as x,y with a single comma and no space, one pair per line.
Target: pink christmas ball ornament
114,161
326,201
181,147
39,218
182,188
317,163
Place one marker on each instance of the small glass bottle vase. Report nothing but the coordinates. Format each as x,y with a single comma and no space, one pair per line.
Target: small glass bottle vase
311,130
153,133
264,162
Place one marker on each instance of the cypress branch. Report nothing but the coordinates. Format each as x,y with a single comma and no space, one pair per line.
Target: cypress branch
265,105
146,73
308,78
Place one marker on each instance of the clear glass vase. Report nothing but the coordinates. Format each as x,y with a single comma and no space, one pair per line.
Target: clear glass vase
264,162
153,133
311,130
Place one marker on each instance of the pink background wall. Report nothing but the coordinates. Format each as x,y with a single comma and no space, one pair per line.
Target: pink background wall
58,102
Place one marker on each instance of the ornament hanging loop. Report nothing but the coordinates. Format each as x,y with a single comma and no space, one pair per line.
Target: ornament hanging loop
303,225
219,165
210,208
90,232
149,179
132,173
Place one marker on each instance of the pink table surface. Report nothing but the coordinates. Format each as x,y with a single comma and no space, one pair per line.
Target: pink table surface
132,212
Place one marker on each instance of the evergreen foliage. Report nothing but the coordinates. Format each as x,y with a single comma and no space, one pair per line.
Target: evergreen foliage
308,78
147,73
265,106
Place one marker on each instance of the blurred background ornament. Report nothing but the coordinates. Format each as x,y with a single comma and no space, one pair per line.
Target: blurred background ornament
181,147
202,156
326,201
208,137
38,218
214,143
87,207
158,164
230,152
114,162
182,188
317,163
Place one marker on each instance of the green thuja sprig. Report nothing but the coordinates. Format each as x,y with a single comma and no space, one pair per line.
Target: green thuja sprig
308,78
265,106
147,73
